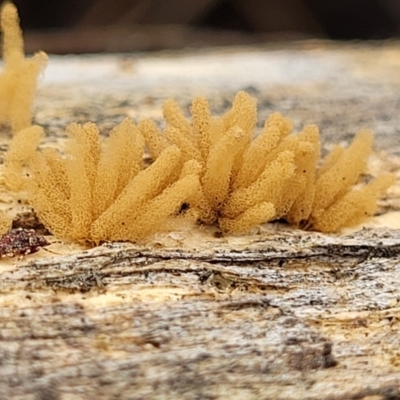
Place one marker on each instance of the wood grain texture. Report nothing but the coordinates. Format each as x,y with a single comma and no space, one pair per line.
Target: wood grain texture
276,314
286,315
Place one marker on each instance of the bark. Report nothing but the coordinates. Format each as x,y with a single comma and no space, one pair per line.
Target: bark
282,315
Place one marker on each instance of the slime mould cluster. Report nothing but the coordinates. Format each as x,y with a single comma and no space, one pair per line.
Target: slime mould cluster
18,81
247,179
212,169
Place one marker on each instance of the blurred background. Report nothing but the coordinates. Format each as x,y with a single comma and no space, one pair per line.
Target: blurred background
91,26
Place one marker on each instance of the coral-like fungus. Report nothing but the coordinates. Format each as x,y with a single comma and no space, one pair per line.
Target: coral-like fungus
19,76
97,191
247,179
22,147
216,168
17,88
337,201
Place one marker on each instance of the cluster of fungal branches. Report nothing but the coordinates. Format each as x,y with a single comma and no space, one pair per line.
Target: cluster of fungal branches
18,81
210,169
249,178
215,170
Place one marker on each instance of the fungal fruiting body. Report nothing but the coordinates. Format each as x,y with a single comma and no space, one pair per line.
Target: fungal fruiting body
98,192
213,169
217,167
247,179
19,76
18,80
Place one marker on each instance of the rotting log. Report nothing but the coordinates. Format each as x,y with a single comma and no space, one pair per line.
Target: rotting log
277,314
281,315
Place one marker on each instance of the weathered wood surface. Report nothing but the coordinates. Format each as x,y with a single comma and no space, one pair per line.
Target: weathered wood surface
277,314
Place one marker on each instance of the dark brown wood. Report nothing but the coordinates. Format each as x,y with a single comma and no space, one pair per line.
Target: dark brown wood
144,12
116,39
283,16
